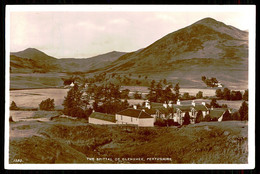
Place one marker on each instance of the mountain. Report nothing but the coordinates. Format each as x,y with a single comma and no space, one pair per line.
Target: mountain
33,60
84,65
207,47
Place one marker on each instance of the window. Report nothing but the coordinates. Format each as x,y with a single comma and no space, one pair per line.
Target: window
131,119
121,117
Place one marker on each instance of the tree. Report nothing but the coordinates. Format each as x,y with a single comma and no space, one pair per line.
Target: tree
164,81
199,117
177,90
243,111
47,105
203,78
214,103
235,116
235,95
199,95
186,96
219,93
227,116
125,94
151,96
137,95
186,118
245,95
13,106
74,102
226,94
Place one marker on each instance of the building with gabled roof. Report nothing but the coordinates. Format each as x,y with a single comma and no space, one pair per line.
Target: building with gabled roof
135,117
102,118
218,113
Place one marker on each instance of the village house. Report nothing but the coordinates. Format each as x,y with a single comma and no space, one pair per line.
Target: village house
218,113
135,117
129,116
176,111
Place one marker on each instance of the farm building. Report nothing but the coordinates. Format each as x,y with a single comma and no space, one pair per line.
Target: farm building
176,111
135,117
218,113
102,118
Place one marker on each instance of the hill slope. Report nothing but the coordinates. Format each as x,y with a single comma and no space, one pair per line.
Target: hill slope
207,47
33,60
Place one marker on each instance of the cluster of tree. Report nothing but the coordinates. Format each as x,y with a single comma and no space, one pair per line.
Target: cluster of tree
210,82
159,94
75,104
187,96
137,95
228,94
107,98
47,105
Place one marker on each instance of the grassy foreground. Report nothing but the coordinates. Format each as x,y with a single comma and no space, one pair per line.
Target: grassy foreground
70,141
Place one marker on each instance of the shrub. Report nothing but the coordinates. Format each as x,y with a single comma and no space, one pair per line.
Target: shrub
199,117
13,106
47,105
227,116
160,122
171,122
207,118
77,112
186,118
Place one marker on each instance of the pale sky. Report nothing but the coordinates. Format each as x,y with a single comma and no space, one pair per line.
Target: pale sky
87,34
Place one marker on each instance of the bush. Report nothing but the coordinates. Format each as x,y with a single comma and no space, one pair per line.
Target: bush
77,112
186,118
13,106
47,105
207,118
160,122
199,117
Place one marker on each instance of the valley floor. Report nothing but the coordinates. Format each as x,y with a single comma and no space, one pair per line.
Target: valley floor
63,140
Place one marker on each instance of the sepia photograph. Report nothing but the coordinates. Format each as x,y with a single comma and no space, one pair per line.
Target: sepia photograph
127,86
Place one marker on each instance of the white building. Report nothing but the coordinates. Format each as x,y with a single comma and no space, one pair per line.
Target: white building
135,117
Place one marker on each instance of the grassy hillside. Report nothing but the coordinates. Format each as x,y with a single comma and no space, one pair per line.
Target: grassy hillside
72,141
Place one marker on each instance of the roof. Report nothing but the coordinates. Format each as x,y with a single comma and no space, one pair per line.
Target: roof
183,107
201,107
217,112
151,111
103,116
155,105
137,113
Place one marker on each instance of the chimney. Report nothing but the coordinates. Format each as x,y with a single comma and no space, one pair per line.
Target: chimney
165,105
134,106
178,102
193,103
203,103
147,104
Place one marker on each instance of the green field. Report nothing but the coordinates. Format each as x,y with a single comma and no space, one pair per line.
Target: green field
72,141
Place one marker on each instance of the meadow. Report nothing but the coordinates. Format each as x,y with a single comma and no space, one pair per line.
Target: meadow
76,141
31,98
